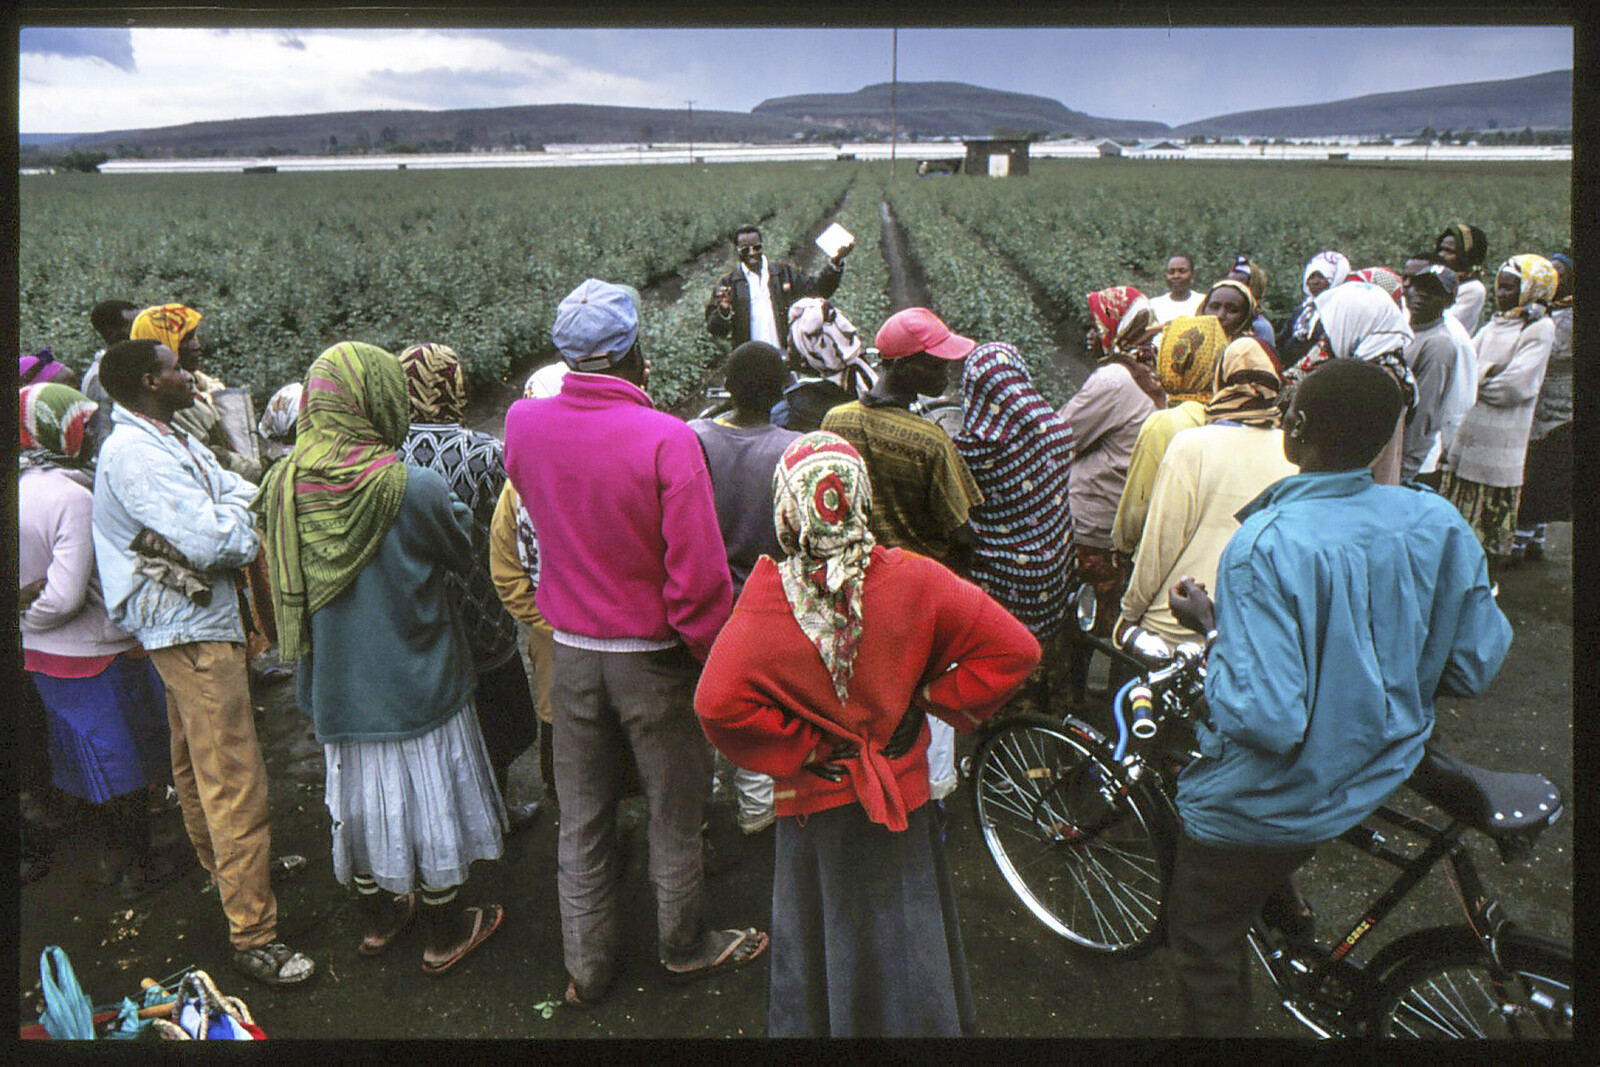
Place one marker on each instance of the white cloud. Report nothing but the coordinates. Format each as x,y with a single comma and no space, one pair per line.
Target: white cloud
198,75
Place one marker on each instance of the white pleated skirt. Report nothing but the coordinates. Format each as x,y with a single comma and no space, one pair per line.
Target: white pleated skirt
414,812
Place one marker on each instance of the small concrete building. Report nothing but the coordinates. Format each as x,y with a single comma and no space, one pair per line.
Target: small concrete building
997,159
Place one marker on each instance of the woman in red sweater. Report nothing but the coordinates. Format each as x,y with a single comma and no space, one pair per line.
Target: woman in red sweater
822,679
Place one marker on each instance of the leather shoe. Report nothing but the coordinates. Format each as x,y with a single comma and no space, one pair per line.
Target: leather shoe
522,816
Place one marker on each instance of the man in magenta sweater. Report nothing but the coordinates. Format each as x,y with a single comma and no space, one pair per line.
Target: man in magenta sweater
634,581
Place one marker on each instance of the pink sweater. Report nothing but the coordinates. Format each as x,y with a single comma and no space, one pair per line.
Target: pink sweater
621,501
54,542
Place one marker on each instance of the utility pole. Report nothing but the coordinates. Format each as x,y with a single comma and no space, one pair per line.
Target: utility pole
691,131
894,83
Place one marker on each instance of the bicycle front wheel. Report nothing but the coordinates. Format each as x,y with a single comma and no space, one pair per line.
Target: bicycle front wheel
1449,988
1088,853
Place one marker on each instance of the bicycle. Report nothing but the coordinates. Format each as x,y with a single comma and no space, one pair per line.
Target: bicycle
1083,828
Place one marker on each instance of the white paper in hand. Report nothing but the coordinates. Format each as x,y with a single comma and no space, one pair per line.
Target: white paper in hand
834,238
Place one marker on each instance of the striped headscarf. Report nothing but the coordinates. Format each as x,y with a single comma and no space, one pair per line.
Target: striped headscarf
1472,247
1331,265
40,367
52,426
1247,386
435,383
1191,345
1020,453
828,343
822,503
328,503
165,324
1539,281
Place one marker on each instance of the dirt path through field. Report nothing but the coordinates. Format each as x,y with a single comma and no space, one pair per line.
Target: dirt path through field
907,286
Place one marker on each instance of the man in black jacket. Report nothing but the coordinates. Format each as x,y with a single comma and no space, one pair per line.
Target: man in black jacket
731,312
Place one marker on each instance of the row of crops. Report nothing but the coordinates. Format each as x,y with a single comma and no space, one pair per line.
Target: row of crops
283,265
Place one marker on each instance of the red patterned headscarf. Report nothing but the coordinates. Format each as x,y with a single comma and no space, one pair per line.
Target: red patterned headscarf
1384,278
1114,311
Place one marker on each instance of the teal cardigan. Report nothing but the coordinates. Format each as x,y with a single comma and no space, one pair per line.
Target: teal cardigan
389,657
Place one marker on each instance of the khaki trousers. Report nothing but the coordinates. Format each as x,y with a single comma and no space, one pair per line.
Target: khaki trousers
222,780
541,652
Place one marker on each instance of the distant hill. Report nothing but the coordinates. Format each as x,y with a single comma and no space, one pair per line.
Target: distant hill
457,130
1543,101
932,109
925,109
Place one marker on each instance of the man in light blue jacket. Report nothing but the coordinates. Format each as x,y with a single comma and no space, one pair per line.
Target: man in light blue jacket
177,594
1343,608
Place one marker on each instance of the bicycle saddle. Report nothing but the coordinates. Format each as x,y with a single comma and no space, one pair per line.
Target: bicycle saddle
1511,808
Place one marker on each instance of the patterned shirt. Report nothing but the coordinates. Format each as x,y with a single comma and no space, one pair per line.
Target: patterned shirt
473,465
921,489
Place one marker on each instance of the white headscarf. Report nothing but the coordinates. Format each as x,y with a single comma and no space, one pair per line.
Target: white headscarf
277,422
1331,265
1361,320
829,344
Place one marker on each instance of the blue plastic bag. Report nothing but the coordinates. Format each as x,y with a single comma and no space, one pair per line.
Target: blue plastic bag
68,1013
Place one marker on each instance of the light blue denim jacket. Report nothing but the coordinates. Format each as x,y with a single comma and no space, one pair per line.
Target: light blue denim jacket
152,475
1342,608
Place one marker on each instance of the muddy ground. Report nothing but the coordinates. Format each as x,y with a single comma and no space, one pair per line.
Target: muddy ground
1028,983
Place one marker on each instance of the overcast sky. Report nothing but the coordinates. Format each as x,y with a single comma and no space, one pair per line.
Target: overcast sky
90,80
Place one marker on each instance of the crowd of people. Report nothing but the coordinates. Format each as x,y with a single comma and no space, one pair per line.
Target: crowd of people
804,598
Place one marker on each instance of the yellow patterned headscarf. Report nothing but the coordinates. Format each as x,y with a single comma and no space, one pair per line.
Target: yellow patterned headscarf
1187,363
436,384
165,324
1539,282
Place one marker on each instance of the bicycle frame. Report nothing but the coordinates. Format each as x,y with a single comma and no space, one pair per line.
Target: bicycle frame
1322,991
1321,987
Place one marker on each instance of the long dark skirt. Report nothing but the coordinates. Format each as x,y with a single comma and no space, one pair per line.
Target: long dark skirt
865,938
505,712
107,734
1547,479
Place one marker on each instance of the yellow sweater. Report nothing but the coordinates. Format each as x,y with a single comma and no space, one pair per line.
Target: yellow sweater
1148,448
1207,475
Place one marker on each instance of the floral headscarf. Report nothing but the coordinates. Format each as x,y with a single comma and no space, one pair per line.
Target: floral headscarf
1191,345
328,503
435,383
829,344
165,324
52,426
1247,386
1539,281
1384,278
822,503
277,422
1114,311
1331,265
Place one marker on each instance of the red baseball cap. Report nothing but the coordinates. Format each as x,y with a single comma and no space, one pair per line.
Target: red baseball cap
919,330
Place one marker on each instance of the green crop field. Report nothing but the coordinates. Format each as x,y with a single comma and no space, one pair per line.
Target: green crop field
283,265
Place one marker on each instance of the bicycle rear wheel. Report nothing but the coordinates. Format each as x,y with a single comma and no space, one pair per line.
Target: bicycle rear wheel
1447,988
1085,851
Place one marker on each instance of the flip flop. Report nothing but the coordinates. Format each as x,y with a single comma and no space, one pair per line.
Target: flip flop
375,944
482,928
737,953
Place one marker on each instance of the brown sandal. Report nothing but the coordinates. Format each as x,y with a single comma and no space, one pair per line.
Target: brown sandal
486,920
378,943
744,946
